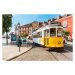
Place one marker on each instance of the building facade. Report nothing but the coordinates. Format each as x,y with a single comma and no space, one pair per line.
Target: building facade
34,25
25,29
67,23
28,28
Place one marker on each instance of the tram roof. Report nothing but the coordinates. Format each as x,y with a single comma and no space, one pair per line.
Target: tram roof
47,27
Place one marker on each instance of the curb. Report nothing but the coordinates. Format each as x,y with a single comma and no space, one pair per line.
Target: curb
18,55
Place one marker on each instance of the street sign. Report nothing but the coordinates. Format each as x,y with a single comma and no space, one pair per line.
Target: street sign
13,37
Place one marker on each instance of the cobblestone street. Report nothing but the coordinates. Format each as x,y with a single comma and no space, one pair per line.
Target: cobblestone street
41,54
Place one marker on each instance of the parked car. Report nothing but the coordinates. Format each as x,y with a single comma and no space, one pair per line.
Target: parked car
8,37
3,36
23,39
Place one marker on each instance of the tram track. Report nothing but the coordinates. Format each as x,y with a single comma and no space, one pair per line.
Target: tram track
66,57
60,56
54,56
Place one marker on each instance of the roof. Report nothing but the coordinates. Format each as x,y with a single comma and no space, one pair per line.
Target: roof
27,25
47,27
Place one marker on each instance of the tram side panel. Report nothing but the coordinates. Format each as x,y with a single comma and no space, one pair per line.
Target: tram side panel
38,41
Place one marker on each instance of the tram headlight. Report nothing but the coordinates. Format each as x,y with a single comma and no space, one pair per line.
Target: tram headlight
59,42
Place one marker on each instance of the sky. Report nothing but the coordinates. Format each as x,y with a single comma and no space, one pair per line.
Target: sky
28,18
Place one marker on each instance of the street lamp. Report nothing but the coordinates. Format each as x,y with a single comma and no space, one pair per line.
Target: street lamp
15,28
18,24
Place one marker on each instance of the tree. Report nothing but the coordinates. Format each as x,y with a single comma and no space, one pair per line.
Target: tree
7,22
66,33
24,35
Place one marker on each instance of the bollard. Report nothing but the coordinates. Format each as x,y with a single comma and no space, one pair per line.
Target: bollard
27,44
19,46
32,45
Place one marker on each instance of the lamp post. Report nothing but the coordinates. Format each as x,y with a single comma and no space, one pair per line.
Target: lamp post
15,28
18,24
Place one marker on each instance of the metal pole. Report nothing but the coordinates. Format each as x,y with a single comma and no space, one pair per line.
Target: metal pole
27,44
18,31
19,46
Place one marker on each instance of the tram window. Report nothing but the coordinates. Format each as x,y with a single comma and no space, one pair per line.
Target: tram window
45,33
53,32
59,32
38,35
48,32
41,34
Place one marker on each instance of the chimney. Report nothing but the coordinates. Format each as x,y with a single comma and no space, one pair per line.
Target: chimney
65,15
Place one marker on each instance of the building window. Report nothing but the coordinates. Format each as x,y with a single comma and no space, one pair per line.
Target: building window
29,28
21,29
64,23
64,29
24,29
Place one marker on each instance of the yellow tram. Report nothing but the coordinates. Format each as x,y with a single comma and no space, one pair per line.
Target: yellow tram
50,36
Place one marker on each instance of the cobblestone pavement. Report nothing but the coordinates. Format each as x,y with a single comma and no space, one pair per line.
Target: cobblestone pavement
41,54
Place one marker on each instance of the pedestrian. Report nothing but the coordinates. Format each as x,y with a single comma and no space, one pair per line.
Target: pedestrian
19,41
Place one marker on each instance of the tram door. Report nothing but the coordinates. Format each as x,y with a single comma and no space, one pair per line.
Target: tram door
46,36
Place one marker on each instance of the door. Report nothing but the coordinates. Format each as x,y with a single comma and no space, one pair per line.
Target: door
46,40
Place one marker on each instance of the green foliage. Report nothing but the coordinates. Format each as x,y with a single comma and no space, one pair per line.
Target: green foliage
24,35
66,33
20,35
7,22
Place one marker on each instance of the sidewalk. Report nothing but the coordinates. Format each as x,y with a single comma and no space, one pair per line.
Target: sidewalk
69,42
11,51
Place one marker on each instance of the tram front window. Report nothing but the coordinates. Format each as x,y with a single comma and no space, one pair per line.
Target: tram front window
53,32
59,32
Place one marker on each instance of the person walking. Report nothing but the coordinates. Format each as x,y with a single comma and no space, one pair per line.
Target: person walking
19,41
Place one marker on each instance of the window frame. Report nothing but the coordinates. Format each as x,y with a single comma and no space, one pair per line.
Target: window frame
65,25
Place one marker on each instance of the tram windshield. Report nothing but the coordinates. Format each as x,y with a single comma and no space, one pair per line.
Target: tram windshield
59,32
53,32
